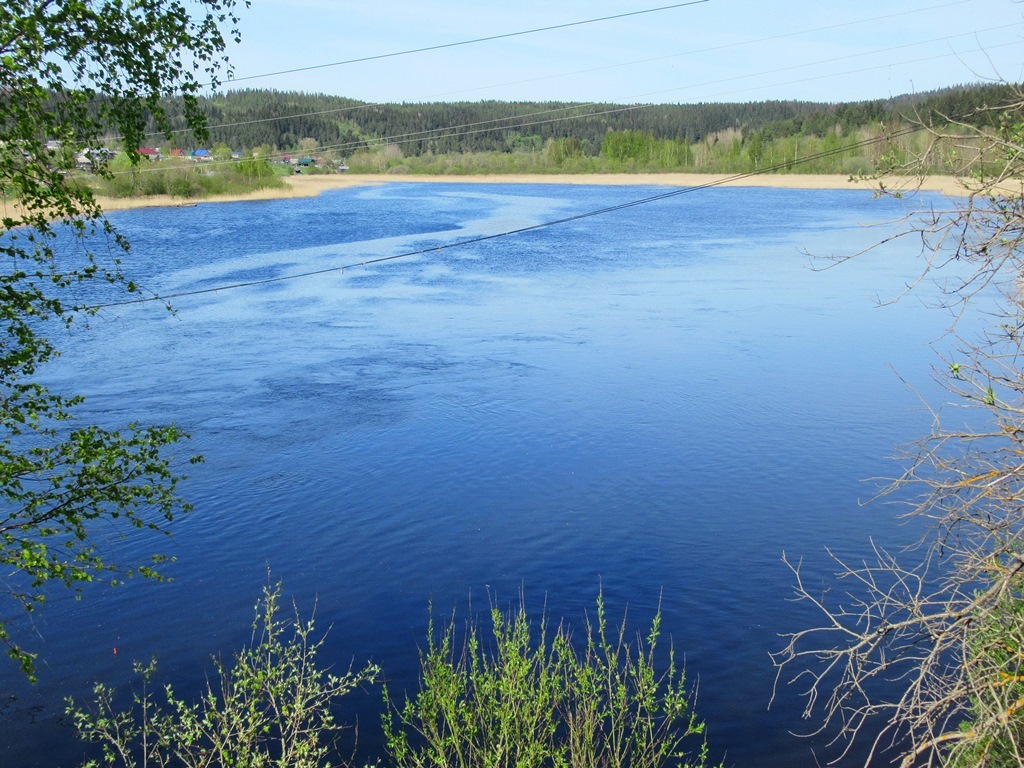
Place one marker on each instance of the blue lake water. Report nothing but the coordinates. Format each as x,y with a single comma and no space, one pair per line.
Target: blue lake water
656,402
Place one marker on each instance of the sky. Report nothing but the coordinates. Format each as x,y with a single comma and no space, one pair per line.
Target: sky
711,51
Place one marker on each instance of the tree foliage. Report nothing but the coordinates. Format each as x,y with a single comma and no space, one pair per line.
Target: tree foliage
270,707
74,73
943,624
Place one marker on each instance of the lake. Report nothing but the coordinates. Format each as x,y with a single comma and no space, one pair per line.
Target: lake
656,402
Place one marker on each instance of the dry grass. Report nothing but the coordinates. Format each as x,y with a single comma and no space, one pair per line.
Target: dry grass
312,185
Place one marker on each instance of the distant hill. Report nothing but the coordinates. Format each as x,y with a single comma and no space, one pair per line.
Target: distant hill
280,120
855,138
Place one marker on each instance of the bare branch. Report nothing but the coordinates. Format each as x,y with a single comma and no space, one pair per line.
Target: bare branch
942,623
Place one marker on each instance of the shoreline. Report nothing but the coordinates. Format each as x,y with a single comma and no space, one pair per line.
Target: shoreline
312,185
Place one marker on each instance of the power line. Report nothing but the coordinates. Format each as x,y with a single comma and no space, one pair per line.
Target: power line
886,65
495,124
452,45
695,52
712,49
521,230
470,42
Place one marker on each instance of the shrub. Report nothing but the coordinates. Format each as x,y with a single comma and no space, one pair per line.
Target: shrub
183,185
153,183
272,707
538,701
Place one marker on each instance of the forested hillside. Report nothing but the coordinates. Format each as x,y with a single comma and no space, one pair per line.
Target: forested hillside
468,137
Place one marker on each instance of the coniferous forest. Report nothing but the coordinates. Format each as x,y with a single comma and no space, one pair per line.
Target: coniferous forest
540,137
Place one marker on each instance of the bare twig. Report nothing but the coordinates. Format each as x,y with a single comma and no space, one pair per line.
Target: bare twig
944,622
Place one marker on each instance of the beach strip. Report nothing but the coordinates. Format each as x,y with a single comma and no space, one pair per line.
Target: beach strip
313,184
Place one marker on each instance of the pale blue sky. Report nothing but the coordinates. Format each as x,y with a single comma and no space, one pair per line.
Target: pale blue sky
720,50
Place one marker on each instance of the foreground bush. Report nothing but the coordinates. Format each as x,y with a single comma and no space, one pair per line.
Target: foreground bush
525,699
272,707
519,700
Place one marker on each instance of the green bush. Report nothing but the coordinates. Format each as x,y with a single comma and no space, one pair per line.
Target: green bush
153,183
272,707
183,185
529,697
532,699
994,733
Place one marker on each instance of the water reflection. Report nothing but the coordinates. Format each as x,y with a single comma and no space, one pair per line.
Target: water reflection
660,402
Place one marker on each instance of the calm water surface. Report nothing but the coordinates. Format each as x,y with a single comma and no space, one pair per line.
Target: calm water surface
659,402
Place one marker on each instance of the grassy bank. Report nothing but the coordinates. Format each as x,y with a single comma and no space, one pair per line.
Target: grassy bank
184,179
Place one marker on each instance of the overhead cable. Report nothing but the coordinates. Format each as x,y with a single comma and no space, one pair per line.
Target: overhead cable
521,230
712,49
460,130
694,52
469,42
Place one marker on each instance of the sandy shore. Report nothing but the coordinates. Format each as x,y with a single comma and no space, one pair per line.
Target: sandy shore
309,186
297,186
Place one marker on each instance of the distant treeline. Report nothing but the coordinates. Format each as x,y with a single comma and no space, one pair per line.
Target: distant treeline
489,136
